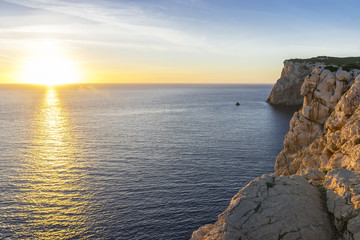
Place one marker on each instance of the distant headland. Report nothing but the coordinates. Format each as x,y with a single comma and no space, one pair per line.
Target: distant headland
286,91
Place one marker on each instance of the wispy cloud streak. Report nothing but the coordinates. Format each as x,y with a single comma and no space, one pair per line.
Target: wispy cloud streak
128,21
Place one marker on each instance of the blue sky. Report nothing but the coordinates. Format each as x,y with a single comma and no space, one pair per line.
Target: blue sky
178,41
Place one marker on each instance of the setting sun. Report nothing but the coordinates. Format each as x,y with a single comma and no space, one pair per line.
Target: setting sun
49,70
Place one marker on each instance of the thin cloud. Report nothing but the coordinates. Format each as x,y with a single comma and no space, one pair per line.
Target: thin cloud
126,20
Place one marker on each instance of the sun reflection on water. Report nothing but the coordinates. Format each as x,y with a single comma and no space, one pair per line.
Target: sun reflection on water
54,192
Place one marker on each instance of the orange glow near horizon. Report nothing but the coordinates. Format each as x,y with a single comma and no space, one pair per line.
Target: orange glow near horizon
51,62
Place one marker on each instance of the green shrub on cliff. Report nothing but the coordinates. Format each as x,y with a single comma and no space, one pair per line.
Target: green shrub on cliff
331,68
346,63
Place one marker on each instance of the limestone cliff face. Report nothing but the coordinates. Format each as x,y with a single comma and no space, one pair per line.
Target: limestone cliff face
286,91
325,133
315,190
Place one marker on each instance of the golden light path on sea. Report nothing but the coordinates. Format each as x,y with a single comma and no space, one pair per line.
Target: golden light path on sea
56,195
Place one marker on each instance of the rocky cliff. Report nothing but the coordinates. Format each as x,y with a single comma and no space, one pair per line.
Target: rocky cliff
315,190
325,133
286,91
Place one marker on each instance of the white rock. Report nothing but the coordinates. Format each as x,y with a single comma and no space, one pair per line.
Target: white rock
286,208
343,75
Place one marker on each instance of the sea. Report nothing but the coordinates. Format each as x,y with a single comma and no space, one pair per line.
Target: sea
130,161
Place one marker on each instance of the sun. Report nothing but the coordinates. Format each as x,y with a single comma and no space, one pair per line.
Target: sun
49,69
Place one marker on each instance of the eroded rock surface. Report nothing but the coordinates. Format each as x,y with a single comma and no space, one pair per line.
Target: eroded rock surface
313,176
325,133
286,91
343,201
272,207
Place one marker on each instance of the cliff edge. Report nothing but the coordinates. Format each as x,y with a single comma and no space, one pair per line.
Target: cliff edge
286,90
324,134
315,190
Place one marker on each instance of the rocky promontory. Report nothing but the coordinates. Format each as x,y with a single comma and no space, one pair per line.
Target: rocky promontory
286,90
315,190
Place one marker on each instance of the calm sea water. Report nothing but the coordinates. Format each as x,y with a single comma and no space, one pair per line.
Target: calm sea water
129,161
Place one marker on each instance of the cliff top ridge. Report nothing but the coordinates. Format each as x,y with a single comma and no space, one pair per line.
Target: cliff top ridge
286,91
347,63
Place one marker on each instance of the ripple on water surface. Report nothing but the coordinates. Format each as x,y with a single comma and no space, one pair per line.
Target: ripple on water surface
129,161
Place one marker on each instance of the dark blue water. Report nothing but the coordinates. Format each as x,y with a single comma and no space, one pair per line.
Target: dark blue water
129,161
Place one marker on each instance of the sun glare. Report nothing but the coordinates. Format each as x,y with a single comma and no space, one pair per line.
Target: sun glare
49,70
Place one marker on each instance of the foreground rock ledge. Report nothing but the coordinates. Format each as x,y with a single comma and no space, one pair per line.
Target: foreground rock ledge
272,207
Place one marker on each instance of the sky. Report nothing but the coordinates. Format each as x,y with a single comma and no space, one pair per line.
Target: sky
175,41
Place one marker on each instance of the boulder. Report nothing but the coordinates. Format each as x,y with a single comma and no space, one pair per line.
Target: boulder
272,207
